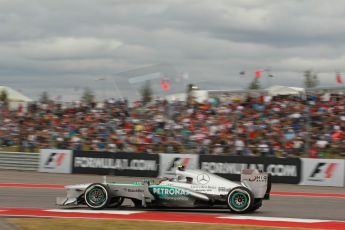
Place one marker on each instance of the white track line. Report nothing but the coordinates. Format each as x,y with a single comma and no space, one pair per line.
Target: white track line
264,218
118,212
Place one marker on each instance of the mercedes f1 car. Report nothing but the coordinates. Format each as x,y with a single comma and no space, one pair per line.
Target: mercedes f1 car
187,189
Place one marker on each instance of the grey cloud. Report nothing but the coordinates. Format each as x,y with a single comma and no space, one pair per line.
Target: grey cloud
61,46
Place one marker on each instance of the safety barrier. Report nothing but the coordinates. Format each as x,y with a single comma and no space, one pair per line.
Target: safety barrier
19,161
305,171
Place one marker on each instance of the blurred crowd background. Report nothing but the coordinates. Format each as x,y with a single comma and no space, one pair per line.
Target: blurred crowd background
283,126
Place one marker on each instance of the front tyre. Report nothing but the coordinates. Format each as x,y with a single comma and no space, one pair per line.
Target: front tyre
97,196
240,200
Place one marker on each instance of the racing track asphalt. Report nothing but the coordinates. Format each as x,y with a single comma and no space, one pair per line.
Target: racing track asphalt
327,208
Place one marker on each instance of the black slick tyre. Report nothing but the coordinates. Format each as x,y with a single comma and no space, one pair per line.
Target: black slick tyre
240,200
97,196
257,204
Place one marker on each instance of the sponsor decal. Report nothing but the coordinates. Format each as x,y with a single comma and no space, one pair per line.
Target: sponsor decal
119,164
203,178
54,160
203,188
222,189
163,191
323,171
258,178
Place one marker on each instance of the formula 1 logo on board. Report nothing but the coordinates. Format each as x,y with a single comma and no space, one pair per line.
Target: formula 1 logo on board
54,160
323,171
178,161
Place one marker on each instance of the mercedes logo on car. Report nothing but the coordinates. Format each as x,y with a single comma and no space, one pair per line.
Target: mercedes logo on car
203,178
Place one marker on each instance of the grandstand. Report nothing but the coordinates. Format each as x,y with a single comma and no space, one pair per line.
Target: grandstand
284,126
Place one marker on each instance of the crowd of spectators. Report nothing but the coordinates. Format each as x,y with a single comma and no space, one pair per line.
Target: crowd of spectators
277,126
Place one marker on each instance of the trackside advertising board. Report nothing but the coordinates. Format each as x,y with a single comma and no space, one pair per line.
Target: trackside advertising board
55,161
283,170
169,162
323,172
119,164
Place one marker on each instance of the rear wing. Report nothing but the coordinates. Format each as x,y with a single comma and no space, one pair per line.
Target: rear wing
258,182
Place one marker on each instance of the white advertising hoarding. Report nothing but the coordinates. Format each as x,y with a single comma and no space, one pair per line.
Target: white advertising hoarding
169,162
323,172
55,161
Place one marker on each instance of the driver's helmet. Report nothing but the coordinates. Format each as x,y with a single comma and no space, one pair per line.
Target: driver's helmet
180,167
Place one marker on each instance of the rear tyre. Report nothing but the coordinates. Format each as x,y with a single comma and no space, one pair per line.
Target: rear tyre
257,204
97,196
240,200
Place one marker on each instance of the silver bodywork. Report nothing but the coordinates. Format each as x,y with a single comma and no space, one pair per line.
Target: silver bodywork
189,188
211,184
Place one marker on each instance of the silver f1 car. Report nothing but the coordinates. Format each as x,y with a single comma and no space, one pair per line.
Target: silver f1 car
188,189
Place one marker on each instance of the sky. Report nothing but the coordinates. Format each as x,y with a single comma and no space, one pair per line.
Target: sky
112,46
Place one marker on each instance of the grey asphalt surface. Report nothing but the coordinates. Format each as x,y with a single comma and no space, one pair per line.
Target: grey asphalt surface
279,206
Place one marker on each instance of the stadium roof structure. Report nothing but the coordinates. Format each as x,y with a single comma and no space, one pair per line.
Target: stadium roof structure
284,90
324,89
14,96
274,90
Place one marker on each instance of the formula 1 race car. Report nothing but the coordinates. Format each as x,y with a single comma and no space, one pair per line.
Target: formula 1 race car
187,189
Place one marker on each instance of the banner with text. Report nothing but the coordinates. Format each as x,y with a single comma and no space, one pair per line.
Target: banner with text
283,170
119,164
